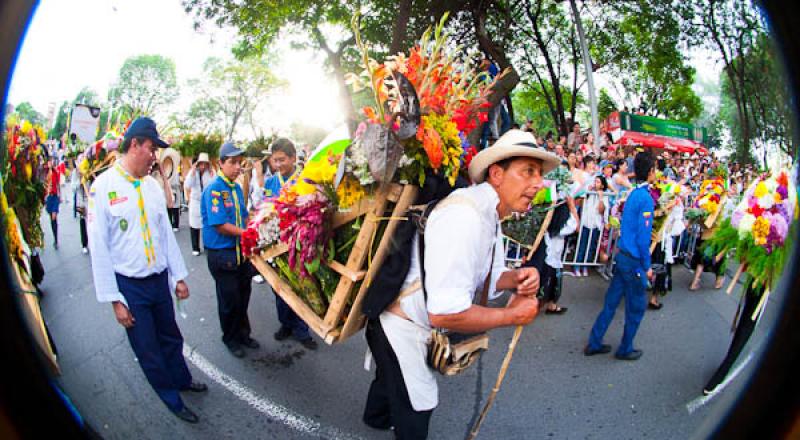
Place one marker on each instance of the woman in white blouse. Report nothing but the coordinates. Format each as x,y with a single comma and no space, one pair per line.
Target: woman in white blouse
593,218
197,180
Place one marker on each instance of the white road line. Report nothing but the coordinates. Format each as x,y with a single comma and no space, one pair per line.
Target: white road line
270,409
695,404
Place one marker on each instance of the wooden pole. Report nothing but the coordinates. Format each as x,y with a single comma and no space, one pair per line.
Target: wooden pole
513,345
514,339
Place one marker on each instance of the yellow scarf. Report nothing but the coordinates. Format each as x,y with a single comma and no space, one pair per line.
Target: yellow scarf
239,223
149,250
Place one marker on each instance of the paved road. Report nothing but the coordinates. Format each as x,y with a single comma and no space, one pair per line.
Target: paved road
283,391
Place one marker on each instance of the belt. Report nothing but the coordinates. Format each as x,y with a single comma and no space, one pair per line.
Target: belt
221,250
148,277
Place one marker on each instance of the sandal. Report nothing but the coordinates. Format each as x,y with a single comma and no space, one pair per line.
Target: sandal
719,283
556,311
694,287
652,306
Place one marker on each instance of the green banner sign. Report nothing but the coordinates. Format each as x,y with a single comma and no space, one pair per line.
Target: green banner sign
663,127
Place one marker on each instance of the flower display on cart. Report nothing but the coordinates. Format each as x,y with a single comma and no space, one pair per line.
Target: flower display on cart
23,178
424,105
709,199
666,195
760,230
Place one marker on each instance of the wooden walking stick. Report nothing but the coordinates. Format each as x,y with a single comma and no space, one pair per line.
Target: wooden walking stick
514,339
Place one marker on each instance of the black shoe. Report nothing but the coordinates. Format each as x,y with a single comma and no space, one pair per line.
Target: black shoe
236,350
187,415
632,356
652,306
309,344
251,343
283,333
588,351
196,387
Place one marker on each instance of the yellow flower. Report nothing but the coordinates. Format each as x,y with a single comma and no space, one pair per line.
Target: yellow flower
303,188
760,231
26,127
321,171
349,192
778,198
761,190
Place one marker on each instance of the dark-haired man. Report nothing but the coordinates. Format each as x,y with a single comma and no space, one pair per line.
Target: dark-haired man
136,259
284,158
462,256
632,269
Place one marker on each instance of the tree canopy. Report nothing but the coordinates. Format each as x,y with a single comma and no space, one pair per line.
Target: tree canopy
145,84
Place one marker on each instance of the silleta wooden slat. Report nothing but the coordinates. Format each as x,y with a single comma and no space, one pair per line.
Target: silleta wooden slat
334,326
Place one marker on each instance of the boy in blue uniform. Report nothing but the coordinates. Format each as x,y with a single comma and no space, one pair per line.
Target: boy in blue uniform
283,158
632,269
224,211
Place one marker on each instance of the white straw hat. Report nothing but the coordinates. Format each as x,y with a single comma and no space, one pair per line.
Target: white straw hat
202,157
514,143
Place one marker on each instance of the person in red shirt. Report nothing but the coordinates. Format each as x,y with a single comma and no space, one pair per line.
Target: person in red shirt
53,197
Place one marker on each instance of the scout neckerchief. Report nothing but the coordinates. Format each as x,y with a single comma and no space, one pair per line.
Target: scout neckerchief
283,181
149,250
239,224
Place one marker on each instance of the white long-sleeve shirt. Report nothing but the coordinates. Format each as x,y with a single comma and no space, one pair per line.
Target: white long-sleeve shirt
460,235
115,234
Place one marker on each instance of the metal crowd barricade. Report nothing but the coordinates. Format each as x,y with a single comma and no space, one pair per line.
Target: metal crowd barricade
572,249
514,252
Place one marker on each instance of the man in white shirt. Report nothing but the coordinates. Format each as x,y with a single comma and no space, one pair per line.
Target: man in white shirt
136,263
463,251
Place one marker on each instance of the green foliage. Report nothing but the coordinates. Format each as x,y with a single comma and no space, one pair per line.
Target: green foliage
26,112
230,93
257,146
605,105
306,288
530,102
145,84
191,145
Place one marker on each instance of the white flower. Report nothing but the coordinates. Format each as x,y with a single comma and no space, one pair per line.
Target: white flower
746,225
767,200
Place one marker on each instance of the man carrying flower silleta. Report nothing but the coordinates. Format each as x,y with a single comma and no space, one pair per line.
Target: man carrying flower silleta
284,157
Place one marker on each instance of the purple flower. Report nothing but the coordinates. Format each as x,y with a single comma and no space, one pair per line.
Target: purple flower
782,210
783,192
736,218
778,230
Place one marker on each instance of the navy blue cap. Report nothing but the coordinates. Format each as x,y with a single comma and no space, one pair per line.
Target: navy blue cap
145,127
228,149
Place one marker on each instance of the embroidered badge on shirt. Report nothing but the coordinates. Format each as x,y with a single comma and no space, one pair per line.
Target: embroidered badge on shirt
113,199
226,196
215,208
215,193
647,214
123,225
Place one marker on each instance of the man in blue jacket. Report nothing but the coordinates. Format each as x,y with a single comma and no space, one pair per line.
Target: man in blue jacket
632,269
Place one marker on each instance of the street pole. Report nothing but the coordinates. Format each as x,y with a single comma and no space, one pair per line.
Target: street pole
587,62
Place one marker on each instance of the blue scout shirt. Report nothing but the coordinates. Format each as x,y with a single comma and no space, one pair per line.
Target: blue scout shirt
273,185
217,207
637,225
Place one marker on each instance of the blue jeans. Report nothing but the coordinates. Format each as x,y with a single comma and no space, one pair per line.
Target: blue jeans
589,238
629,280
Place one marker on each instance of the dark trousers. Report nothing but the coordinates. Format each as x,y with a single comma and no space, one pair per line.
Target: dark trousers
233,283
84,235
155,337
388,403
290,320
587,248
628,281
174,216
744,329
195,234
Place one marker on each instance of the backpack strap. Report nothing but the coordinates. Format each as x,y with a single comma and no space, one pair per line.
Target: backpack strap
451,200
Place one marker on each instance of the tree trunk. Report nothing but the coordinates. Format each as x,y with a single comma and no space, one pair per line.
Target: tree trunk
400,30
503,87
335,62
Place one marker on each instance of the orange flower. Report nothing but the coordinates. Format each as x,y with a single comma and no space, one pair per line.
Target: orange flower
432,143
369,112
